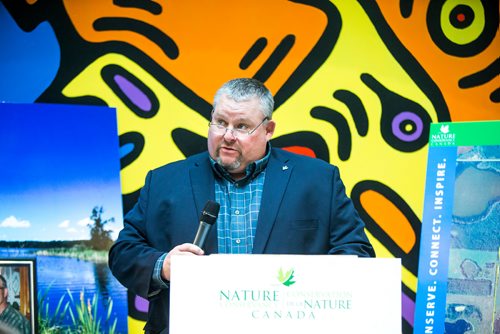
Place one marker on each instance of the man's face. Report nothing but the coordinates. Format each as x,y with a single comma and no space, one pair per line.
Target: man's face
234,151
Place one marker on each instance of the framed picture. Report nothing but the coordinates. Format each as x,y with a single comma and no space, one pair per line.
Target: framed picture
18,295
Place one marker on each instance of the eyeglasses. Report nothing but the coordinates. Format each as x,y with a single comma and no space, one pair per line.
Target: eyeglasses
220,129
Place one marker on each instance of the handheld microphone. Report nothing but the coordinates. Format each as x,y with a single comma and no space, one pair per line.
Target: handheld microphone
207,219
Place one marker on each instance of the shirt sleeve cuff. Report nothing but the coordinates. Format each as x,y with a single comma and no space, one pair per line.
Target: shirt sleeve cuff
157,282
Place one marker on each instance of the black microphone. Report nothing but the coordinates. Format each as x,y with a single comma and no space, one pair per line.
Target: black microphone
207,219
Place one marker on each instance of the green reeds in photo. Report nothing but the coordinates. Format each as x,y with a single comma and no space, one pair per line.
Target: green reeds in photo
85,321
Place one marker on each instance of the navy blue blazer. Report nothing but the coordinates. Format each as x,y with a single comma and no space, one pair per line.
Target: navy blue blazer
304,210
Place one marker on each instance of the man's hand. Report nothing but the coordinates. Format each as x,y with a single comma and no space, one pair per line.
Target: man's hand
184,249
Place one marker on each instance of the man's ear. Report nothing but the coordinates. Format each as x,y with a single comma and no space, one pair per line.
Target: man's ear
270,126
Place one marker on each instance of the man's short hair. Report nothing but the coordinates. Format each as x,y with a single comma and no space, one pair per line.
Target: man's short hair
242,89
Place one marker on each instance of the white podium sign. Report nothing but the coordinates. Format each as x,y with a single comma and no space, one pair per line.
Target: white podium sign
228,294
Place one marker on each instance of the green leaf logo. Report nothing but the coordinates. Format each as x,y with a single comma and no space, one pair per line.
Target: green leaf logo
286,278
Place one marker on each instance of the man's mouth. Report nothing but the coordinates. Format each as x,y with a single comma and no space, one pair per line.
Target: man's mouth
228,150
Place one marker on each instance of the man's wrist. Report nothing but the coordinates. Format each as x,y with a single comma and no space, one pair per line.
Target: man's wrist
157,282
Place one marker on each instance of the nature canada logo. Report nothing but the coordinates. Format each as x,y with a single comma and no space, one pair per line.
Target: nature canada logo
286,304
443,137
286,278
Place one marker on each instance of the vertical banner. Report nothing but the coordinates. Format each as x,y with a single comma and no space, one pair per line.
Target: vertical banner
458,275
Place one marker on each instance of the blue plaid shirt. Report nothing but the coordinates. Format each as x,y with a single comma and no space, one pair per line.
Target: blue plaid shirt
239,206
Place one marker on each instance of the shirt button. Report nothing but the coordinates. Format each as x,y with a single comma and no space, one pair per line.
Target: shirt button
236,212
238,241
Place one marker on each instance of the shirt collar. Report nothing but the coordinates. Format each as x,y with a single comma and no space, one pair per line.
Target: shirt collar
253,169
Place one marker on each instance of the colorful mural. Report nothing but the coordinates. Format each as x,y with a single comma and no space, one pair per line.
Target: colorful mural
356,83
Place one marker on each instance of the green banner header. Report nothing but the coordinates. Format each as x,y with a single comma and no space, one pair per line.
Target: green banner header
465,133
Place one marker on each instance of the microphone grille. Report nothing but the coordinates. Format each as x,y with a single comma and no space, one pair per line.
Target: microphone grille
210,212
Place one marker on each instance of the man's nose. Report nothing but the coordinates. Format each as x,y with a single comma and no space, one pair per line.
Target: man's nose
229,135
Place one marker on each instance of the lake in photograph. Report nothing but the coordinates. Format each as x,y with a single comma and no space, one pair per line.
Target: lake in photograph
58,275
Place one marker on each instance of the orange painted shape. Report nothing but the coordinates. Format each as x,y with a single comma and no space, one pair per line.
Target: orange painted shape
212,37
389,218
301,150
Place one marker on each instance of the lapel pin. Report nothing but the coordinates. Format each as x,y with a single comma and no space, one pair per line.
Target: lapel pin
285,167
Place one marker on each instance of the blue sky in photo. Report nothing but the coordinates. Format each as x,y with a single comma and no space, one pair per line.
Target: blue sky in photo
56,163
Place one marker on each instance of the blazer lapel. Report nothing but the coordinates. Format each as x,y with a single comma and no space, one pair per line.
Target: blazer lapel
278,173
202,183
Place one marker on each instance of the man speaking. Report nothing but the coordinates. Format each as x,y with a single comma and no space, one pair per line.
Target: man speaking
271,202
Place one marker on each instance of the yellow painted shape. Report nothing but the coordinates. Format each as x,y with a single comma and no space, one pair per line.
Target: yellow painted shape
159,146
360,50
135,326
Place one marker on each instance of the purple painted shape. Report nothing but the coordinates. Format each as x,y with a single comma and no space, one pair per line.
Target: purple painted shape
403,116
133,93
408,308
141,304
